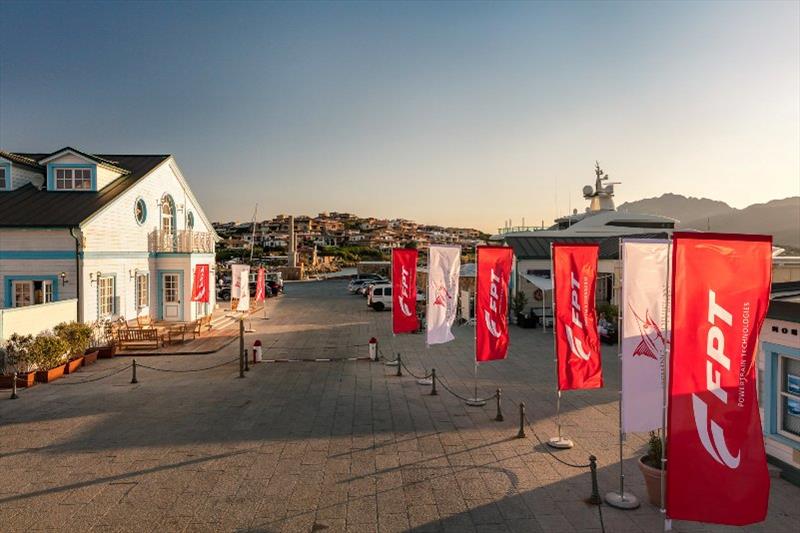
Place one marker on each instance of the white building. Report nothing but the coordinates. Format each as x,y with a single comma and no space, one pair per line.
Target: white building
120,234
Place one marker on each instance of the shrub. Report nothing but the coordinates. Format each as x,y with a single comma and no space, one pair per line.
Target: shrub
49,351
610,310
77,335
518,303
654,448
19,354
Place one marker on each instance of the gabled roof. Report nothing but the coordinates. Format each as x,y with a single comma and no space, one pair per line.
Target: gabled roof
18,159
100,160
784,310
28,206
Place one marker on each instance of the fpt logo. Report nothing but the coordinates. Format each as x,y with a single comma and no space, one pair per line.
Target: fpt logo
716,362
404,296
494,305
575,344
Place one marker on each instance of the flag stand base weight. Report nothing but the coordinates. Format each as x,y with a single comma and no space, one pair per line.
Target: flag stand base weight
391,363
475,402
626,501
561,443
425,381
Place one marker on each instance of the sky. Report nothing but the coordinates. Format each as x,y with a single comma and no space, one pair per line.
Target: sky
463,114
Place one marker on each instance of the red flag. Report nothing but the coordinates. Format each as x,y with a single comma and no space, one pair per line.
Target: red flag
404,290
261,285
716,466
491,302
200,285
577,340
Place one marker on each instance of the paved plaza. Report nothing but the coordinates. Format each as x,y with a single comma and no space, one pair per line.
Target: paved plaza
322,446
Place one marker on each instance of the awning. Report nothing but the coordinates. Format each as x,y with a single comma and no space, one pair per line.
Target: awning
546,284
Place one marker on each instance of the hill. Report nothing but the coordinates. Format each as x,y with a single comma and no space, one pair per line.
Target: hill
779,218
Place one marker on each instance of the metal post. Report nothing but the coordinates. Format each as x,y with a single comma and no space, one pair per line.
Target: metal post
559,442
594,499
521,434
499,417
133,378
241,348
433,382
14,387
399,366
246,362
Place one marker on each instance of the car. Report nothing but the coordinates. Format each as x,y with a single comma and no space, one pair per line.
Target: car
355,284
380,296
361,286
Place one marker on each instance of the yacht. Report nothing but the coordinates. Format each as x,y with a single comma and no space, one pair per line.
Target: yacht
601,218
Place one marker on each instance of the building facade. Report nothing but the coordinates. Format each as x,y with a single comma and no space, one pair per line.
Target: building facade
121,234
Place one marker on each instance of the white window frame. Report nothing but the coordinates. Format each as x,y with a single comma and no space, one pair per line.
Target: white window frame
70,179
106,308
20,283
142,290
781,394
47,291
5,179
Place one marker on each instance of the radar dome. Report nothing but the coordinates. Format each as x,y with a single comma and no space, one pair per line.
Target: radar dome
587,190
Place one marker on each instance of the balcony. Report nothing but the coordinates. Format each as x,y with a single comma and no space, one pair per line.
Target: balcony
183,241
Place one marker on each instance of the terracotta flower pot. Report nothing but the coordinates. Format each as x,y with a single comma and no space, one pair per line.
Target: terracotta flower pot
90,356
24,380
46,376
106,352
652,479
73,365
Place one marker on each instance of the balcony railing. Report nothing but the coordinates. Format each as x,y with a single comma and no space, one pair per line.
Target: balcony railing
183,241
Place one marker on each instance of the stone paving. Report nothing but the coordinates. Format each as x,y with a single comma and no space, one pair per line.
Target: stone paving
340,446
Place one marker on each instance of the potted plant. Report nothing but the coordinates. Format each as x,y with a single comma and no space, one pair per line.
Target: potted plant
518,304
101,340
77,336
50,353
650,465
19,358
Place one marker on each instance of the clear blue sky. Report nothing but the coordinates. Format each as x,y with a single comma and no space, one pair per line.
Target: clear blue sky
464,114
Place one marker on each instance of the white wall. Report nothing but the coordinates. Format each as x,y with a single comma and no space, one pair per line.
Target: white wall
34,319
21,176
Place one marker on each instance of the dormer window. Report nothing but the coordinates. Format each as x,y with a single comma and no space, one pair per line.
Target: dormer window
68,179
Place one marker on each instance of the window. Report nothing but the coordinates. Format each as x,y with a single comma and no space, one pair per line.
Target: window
167,215
68,179
105,296
190,220
31,292
789,397
4,179
142,290
140,211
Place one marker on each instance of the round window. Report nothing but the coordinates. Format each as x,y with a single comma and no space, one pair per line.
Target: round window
140,211
190,220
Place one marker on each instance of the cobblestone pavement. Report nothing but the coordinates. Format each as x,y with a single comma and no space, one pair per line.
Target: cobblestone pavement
340,446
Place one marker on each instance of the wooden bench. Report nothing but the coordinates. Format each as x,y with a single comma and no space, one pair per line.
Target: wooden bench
138,338
200,324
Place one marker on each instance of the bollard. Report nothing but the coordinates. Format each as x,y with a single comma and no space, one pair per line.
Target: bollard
14,387
133,378
433,380
246,362
594,499
399,365
241,348
499,417
521,434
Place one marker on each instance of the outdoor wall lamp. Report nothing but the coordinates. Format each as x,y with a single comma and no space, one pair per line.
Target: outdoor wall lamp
63,277
94,276
131,274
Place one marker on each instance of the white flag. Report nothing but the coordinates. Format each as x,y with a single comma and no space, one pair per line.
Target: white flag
444,264
244,290
644,308
236,280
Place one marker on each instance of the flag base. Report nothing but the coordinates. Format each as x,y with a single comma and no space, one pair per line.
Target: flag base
425,381
626,501
475,402
560,443
391,363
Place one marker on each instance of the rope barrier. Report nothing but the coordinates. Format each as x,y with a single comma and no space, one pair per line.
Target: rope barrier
177,371
426,376
454,393
126,367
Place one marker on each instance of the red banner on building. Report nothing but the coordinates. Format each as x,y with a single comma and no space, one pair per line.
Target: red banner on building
404,290
577,339
717,469
200,284
491,302
261,285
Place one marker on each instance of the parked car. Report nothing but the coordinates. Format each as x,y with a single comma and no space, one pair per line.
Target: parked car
380,296
357,284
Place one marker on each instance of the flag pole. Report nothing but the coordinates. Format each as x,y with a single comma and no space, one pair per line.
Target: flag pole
475,401
664,379
559,442
621,499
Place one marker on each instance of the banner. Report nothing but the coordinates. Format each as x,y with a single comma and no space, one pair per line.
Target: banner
491,302
236,280
404,290
200,284
577,339
644,309
717,469
261,285
444,264
244,290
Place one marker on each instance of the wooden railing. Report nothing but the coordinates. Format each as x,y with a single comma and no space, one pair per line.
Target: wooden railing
182,241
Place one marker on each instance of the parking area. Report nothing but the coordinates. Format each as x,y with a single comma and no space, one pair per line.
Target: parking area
322,446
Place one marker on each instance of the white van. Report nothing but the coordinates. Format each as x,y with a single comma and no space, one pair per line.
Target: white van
380,296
